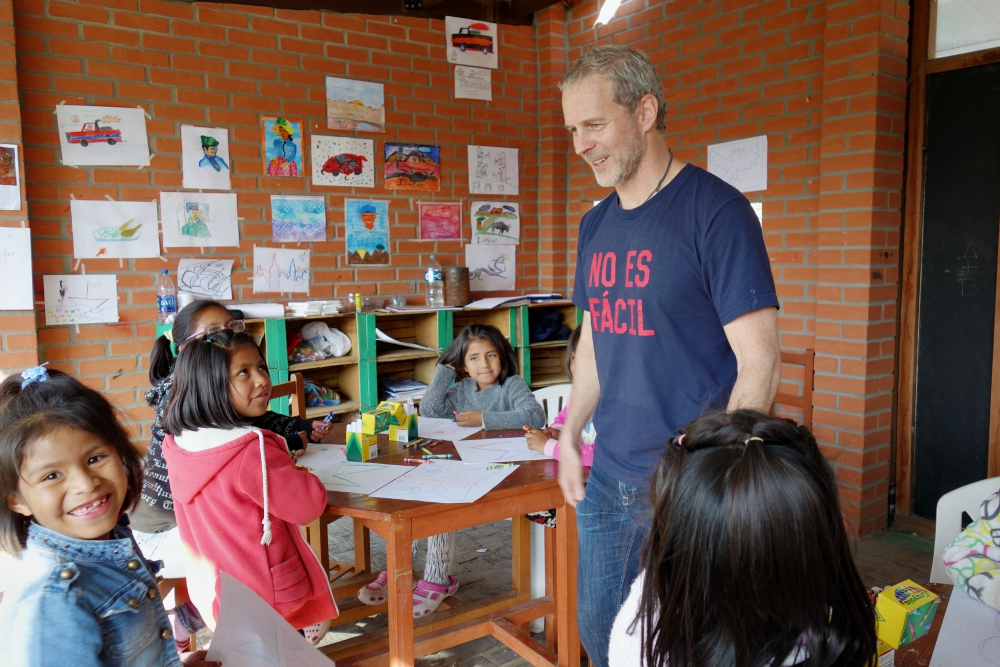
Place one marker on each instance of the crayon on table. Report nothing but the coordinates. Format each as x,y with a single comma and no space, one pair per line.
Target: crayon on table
426,451
439,456
500,466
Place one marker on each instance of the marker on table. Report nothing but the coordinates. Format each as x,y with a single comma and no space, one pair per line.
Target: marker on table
439,456
501,465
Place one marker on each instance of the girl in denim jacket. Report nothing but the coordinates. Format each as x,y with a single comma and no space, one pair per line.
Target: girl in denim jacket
81,594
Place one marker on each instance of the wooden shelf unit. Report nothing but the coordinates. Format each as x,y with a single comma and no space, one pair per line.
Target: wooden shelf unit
544,363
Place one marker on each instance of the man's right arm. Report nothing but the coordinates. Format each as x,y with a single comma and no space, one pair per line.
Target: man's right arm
586,394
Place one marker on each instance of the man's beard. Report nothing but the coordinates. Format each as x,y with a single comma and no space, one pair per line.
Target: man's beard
627,158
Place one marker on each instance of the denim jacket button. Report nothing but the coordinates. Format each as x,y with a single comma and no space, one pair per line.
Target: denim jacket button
151,593
66,574
132,602
165,633
132,564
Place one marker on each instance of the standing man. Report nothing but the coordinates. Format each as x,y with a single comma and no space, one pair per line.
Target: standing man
680,317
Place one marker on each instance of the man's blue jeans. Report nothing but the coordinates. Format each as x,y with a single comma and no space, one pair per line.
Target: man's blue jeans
612,520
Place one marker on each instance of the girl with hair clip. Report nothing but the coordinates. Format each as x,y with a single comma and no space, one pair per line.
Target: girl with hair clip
747,562
153,519
493,396
81,593
240,498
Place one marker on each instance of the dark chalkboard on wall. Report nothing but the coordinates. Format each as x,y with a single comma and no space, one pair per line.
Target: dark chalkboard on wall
958,282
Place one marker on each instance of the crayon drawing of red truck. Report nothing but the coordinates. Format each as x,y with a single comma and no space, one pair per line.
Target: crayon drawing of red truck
473,38
94,132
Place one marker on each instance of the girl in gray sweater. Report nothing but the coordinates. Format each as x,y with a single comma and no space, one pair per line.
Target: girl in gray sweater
493,396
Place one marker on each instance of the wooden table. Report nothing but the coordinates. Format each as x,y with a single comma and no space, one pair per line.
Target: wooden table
530,488
918,652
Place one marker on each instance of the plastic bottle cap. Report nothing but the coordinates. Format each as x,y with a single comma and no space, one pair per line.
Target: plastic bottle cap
164,271
432,256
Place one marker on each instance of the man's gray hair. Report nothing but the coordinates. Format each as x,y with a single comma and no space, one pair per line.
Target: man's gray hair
630,71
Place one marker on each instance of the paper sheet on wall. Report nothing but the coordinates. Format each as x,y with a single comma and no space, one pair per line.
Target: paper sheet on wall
73,299
444,429
495,222
497,450
280,270
491,267
212,278
205,157
249,633
105,228
970,634
102,135
473,83
15,267
741,163
10,179
492,170
443,481
199,220
471,42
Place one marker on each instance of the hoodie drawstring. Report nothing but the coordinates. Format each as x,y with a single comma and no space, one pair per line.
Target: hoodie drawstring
266,539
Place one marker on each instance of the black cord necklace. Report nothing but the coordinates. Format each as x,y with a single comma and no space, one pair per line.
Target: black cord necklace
662,178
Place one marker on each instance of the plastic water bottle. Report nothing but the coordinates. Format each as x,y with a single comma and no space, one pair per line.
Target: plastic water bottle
434,278
166,298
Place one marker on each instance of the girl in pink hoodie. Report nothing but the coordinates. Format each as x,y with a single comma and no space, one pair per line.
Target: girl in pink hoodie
239,498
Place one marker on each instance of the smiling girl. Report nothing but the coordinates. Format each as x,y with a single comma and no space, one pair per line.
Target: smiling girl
239,497
81,593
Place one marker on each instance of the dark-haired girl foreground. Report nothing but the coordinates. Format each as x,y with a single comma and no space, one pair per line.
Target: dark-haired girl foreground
747,561
494,396
81,592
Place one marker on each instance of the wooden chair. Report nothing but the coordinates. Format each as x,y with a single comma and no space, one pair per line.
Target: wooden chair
803,402
316,532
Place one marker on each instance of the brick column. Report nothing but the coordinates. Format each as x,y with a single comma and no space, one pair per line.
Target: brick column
18,331
864,106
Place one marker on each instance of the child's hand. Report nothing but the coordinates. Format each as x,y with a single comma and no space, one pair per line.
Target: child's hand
197,659
469,418
319,431
552,432
298,452
536,439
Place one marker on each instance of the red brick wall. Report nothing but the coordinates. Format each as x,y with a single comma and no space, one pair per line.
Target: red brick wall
226,66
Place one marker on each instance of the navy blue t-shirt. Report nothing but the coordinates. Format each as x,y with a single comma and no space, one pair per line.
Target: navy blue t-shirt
660,282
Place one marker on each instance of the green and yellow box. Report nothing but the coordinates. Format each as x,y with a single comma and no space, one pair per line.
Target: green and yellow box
396,410
904,612
375,421
885,655
361,446
405,430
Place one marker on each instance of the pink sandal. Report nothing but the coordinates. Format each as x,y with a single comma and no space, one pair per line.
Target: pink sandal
427,596
374,593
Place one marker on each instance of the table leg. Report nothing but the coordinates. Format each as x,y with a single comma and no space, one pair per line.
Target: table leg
566,555
520,579
550,587
399,567
362,548
317,536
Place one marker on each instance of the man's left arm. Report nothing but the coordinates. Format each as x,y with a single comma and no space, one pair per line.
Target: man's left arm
754,339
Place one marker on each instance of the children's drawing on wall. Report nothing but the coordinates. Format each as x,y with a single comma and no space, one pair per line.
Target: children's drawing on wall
491,267
102,135
205,157
282,146
73,299
199,220
10,182
492,170
15,267
471,42
297,219
354,105
211,278
114,228
280,270
741,163
367,231
495,222
343,161
412,167
440,220
473,83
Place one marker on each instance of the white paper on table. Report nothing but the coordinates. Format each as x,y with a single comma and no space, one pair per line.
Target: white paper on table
118,229
249,633
492,170
199,220
318,457
491,267
473,83
444,429
15,267
201,170
385,338
497,450
354,477
102,135
212,278
970,634
10,179
280,270
495,301
444,481
741,163
75,299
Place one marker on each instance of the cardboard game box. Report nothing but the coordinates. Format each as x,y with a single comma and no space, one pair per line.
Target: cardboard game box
361,446
904,612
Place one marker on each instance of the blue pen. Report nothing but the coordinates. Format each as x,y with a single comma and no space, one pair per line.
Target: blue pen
328,418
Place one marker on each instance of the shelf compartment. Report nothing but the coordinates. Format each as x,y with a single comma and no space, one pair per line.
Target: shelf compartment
504,319
322,411
547,366
569,315
549,380
345,380
307,366
403,354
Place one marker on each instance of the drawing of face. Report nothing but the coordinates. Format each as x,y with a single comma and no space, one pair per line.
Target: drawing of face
369,219
283,133
604,133
210,151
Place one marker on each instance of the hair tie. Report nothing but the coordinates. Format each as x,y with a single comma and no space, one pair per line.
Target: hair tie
680,439
35,374
169,335
752,438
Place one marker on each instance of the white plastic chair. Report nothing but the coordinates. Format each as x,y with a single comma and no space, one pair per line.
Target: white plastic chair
552,399
949,519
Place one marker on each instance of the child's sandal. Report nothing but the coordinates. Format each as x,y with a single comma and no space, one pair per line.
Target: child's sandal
427,596
315,633
375,592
